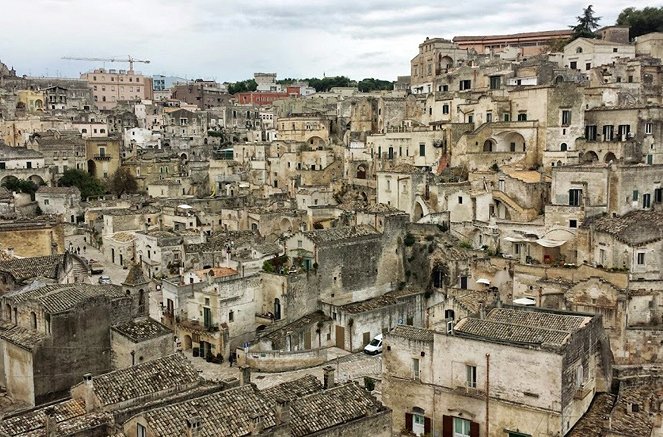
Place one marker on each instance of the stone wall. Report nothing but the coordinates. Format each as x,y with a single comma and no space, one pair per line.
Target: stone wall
282,361
148,350
32,240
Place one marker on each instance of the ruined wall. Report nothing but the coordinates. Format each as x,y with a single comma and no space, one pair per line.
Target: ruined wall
29,242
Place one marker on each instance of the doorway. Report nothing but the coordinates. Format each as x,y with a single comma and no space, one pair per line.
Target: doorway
340,337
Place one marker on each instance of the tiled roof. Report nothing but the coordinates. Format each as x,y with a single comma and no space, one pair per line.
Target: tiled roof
524,327
634,228
330,408
34,419
26,268
542,319
324,236
511,333
593,422
62,297
135,276
217,272
59,190
145,379
387,299
142,329
638,392
25,338
8,152
292,390
412,333
306,320
227,413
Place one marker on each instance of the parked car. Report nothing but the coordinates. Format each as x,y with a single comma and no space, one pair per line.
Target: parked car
375,346
103,279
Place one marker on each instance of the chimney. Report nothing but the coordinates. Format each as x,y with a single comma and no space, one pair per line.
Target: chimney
246,375
88,393
283,411
87,380
193,426
328,377
256,424
50,424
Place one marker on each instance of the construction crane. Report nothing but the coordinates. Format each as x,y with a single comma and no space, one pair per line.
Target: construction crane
129,59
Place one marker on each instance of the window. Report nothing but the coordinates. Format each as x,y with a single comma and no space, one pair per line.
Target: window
422,149
575,196
415,368
46,201
418,423
460,200
635,195
495,82
506,116
573,65
646,200
608,132
573,223
588,66
648,128
590,133
470,118
140,430
522,116
28,164
623,130
658,195
445,109
563,147
231,316
489,117
465,85
461,427
566,118
641,259
471,381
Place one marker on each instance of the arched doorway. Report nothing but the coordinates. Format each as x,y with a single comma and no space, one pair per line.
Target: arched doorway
590,157
91,167
277,309
361,172
488,145
418,211
37,180
563,147
286,225
187,343
609,157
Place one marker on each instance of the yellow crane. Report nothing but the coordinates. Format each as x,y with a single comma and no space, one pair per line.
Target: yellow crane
129,59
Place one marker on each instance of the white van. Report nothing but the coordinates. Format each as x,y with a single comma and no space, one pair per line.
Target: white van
375,346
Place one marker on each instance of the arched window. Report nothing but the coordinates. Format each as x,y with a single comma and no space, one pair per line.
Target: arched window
579,50
33,319
563,147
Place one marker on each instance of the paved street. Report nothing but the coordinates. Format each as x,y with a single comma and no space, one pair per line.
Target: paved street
115,272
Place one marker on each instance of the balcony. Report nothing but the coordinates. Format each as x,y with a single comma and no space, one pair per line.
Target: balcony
196,326
102,157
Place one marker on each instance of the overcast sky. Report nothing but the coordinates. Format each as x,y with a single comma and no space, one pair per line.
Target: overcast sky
228,40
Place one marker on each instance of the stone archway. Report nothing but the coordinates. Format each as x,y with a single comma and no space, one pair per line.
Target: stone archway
609,157
361,172
37,180
488,145
590,157
91,167
285,225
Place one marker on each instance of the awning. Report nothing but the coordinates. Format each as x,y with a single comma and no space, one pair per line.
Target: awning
183,206
483,281
549,243
517,239
528,301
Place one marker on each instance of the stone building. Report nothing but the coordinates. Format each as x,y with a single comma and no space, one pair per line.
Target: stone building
585,53
203,94
110,87
52,334
62,150
63,201
42,236
103,156
67,268
23,163
472,390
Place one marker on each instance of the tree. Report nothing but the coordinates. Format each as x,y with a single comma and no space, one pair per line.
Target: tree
242,86
371,84
641,22
587,24
89,186
122,182
13,183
